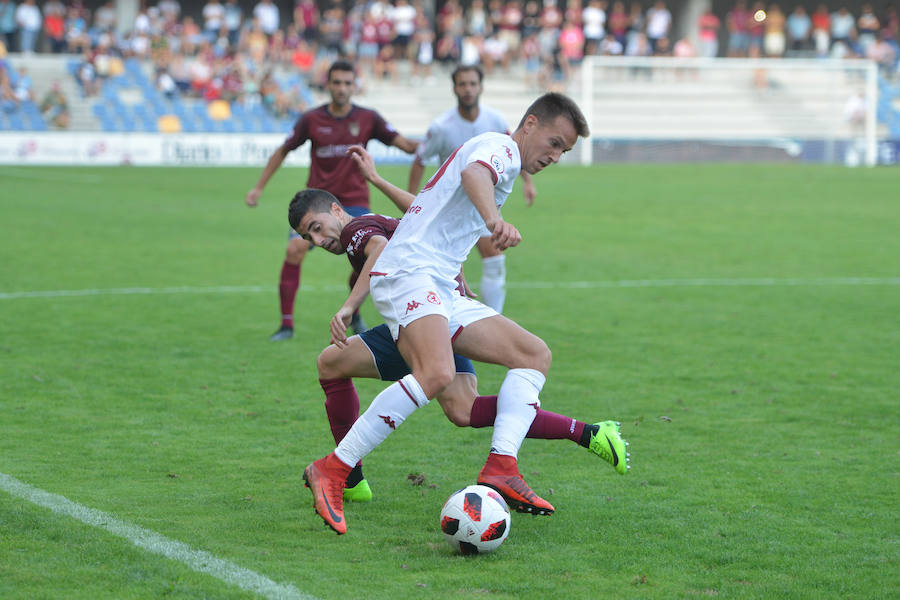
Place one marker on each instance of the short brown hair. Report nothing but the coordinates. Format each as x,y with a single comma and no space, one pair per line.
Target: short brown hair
553,104
309,200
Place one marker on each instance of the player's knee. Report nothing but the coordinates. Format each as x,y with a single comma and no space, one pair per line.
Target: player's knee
329,365
296,251
540,356
435,379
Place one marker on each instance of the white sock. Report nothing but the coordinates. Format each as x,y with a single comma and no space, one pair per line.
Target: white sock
493,281
387,412
517,405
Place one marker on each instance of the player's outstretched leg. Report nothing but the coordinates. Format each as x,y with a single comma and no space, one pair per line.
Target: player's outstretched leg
501,472
606,443
325,478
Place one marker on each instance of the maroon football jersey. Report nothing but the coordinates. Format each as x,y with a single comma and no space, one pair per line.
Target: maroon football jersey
330,167
360,230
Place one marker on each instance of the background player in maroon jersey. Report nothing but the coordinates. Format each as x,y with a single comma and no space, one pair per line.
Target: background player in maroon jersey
321,220
331,128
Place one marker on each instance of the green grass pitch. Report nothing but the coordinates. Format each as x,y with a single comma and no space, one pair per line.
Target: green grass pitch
753,360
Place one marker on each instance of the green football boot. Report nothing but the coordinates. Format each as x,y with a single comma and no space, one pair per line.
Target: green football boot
361,492
609,445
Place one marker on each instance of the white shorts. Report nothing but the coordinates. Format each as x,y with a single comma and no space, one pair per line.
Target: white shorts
405,298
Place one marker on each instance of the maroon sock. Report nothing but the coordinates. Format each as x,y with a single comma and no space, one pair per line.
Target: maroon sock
287,289
546,425
341,405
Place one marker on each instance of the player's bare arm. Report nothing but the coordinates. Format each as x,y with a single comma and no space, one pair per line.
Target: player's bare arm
274,162
407,145
478,184
366,165
415,175
358,294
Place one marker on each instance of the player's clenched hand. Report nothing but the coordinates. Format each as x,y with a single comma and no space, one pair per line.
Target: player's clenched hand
363,160
505,235
339,323
252,198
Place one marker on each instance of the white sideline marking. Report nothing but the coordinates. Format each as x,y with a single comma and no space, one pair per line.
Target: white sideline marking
198,560
623,283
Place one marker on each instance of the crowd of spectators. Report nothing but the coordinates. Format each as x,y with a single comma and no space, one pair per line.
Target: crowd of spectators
231,53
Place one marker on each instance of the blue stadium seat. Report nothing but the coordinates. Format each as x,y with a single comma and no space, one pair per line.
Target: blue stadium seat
107,123
15,122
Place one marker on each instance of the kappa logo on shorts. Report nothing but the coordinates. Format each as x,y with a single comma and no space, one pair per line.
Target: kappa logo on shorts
413,305
433,298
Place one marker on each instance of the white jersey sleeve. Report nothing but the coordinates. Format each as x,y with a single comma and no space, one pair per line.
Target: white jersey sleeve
432,145
497,155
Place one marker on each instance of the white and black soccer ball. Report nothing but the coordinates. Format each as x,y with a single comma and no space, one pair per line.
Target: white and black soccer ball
475,520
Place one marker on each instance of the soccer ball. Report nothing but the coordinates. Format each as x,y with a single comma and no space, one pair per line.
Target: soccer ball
475,520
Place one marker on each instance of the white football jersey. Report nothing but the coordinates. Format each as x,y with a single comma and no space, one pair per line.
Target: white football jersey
442,225
449,131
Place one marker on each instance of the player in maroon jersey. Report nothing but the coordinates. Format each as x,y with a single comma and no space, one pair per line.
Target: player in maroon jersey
321,220
331,129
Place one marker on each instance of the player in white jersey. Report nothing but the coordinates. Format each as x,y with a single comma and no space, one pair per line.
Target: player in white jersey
448,132
410,285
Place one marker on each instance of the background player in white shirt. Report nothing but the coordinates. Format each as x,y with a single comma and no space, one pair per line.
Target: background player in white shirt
449,131
413,284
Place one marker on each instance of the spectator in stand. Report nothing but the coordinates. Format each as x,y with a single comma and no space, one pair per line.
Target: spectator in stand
306,17
233,19
531,18
267,13
403,16
8,23
446,50
77,37
890,28
799,30
571,42
551,19
555,72
573,13
637,24
659,22
618,23
29,21
367,51
424,40
477,21
867,27
531,55
593,22
55,107
757,29
23,87
511,27
821,30
883,54
494,52
774,38
331,32
738,22
683,48
213,18
87,75
105,18
843,32
255,43
708,26
55,25
169,9
384,62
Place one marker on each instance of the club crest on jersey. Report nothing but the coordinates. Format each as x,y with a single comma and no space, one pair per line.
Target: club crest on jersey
433,298
353,126
497,164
